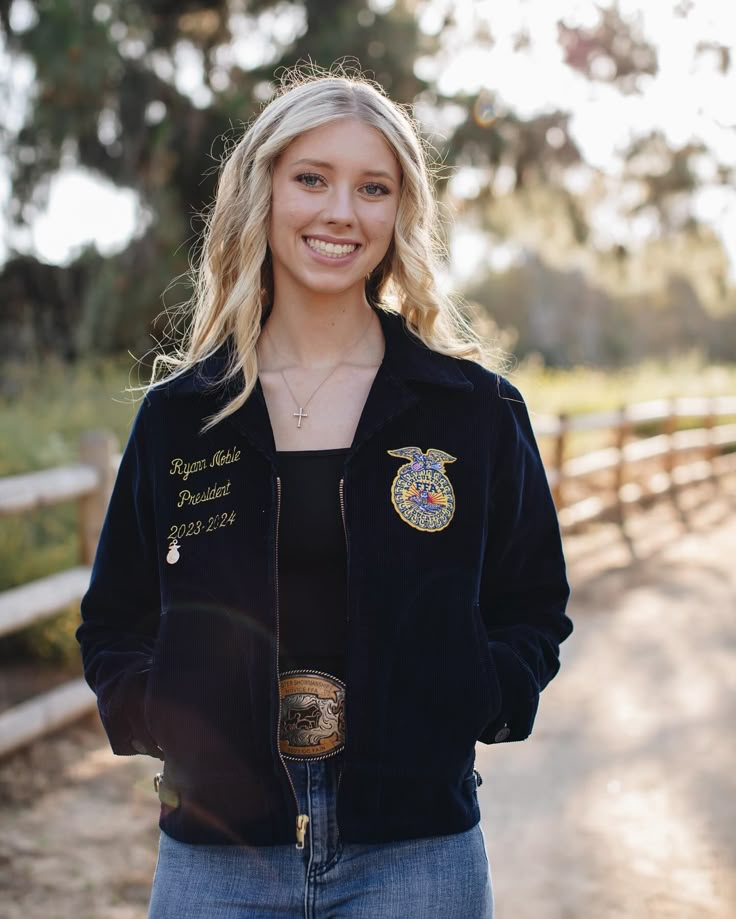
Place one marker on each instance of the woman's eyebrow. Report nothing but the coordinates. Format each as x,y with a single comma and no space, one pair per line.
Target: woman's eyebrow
325,165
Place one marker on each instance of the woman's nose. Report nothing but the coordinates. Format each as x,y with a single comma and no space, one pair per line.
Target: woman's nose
339,205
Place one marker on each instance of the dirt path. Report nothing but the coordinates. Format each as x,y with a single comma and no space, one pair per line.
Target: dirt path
621,804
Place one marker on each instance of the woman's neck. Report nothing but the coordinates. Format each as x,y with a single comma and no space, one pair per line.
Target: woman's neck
318,338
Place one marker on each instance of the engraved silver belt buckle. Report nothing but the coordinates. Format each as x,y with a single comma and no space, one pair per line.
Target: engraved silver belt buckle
312,723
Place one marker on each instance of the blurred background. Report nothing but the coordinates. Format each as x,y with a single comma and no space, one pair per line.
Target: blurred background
586,158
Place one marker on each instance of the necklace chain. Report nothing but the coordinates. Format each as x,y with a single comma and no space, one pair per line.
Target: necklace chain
302,406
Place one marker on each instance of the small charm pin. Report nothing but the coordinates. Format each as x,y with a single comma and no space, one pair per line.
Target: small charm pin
173,556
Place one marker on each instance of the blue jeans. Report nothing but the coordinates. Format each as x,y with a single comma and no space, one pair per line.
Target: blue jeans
442,877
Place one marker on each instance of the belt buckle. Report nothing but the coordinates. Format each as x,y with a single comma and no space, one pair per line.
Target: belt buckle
312,723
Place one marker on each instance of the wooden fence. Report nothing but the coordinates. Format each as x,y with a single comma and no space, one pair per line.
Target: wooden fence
89,483
654,449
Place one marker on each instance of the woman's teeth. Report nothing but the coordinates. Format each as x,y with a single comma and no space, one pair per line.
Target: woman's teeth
329,248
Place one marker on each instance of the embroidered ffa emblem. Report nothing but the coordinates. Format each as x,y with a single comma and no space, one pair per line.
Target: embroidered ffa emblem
421,492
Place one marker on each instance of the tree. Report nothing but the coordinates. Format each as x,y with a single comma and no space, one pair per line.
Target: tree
110,95
107,99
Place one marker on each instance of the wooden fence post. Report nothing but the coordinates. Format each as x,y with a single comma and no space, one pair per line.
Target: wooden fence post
622,434
559,458
670,457
97,449
711,449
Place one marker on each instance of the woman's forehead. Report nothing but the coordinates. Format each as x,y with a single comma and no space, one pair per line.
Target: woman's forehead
346,142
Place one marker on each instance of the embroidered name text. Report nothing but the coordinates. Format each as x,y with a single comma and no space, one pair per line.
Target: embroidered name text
223,457
184,468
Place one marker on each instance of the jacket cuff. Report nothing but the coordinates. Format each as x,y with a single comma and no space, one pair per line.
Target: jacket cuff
519,697
123,717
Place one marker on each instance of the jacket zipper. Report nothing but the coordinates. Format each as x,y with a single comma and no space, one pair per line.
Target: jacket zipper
302,820
344,525
347,604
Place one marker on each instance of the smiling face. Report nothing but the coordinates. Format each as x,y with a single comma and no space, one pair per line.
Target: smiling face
333,208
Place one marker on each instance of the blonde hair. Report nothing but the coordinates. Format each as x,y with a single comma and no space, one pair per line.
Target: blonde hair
233,282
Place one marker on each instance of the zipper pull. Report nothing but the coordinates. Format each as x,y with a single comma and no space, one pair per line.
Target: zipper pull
301,829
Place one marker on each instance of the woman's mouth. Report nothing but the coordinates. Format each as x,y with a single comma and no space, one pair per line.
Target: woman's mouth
330,252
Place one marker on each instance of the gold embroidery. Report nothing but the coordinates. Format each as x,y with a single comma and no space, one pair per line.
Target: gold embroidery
185,468
223,457
214,522
211,494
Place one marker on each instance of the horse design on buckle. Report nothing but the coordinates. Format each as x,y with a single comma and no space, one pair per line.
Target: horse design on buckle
312,724
421,493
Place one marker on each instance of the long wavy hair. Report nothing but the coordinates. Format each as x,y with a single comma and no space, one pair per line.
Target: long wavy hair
232,279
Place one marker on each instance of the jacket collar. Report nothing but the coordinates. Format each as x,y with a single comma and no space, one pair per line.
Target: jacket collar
406,358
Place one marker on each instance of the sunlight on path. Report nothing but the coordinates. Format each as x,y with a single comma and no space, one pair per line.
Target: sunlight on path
621,804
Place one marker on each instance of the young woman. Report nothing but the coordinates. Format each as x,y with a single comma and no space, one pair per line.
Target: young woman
331,563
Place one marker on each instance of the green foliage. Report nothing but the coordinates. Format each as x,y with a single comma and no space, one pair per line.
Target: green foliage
50,642
592,389
31,546
44,408
43,412
581,389
106,97
571,319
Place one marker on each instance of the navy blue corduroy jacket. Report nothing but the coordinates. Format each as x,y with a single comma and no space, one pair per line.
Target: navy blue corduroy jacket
456,599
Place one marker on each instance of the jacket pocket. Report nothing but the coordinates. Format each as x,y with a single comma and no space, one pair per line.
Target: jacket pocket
149,697
493,689
440,685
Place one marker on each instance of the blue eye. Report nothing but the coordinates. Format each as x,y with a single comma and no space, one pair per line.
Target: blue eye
382,188
313,175
308,175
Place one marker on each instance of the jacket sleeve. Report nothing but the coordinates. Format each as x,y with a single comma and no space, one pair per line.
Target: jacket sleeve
524,589
120,610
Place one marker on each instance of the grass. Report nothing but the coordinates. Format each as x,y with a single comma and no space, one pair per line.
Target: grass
590,389
43,412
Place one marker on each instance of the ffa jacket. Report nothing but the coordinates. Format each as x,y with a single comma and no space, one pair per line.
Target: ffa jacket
456,599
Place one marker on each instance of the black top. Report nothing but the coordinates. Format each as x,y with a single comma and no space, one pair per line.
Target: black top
312,562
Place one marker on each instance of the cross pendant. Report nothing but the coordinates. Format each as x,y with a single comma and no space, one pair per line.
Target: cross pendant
300,414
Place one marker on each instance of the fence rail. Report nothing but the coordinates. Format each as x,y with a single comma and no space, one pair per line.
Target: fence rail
639,465
636,467
89,483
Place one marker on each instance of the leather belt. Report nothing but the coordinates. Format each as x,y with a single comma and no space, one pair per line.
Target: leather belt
312,722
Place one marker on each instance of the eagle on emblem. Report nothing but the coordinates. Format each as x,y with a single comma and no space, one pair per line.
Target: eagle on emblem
432,459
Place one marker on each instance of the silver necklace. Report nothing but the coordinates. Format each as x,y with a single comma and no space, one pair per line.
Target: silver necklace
301,413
